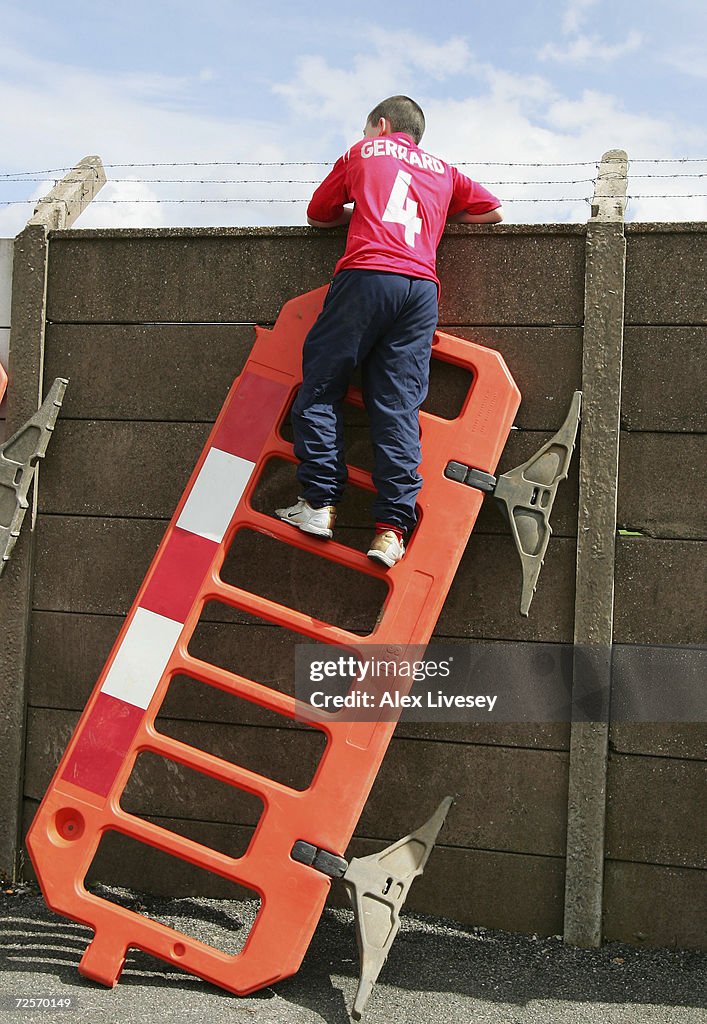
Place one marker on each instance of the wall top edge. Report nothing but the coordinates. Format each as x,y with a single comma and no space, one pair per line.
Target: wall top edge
307,232
692,227
299,231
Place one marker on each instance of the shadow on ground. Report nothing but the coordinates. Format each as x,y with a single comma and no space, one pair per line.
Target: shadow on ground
431,958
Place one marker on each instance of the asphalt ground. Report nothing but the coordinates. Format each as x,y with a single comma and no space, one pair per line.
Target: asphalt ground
437,971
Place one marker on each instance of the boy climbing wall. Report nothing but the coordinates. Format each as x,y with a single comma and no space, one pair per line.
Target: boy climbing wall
380,314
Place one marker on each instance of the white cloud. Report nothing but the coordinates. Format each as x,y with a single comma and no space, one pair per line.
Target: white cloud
390,66
584,49
531,91
575,15
131,119
503,125
475,111
74,110
127,205
688,60
439,61
660,209
599,115
131,204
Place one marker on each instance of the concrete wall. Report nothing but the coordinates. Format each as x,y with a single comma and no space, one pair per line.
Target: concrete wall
657,772
151,327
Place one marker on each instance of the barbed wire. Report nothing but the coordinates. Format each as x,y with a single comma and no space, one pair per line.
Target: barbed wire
27,175
37,177
677,195
295,163
703,174
316,181
196,202
269,201
302,181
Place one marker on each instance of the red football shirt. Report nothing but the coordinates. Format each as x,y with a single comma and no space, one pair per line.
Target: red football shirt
402,198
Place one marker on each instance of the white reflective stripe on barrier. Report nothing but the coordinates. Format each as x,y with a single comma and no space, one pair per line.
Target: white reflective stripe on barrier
216,492
142,657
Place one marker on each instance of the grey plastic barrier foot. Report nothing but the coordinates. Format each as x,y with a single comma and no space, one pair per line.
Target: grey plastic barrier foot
18,463
527,494
377,887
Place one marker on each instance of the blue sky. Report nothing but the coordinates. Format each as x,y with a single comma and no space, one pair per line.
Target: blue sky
214,81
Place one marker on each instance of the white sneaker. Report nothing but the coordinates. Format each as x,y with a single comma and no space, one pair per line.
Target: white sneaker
386,548
319,521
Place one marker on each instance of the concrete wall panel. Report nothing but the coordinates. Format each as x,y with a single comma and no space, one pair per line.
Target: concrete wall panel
183,371
661,485
67,653
545,362
484,598
660,591
120,468
117,553
663,386
650,799
502,277
515,892
205,276
508,800
92,565
653,905
489,275
145,372
662,739
665,274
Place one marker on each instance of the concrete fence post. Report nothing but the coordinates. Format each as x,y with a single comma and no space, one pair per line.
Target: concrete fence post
26,363
60,207
596,537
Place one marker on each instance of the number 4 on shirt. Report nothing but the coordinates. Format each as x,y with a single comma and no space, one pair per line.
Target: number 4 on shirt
403,210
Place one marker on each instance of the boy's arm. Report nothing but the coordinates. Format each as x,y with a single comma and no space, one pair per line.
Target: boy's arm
326,207
471,203
343,219
492,217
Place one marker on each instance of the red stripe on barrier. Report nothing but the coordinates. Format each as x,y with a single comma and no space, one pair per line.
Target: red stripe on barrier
174,584
251,416
102,744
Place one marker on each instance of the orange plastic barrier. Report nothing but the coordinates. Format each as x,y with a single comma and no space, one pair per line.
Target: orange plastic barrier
83,799
3,382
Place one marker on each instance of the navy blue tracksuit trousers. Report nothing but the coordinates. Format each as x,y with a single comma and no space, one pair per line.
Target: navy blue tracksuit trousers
384,323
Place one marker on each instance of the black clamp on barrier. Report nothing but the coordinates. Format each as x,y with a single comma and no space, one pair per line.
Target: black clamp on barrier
321,860
471,477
